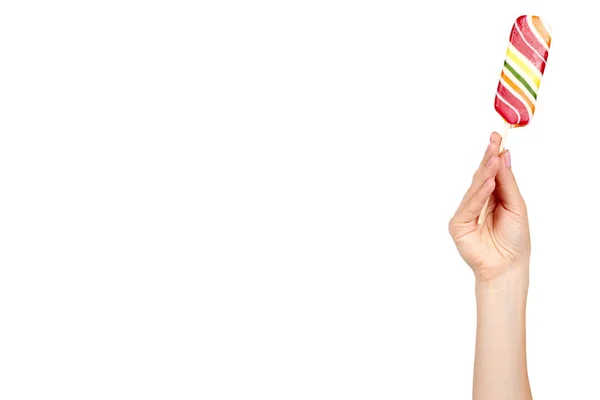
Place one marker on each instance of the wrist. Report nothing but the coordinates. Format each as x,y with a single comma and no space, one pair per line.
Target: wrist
512,278
493,273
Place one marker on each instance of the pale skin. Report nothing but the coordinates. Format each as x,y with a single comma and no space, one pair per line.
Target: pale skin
498,252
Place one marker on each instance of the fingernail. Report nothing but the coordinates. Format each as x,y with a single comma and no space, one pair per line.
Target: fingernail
492,137
491,160
507,159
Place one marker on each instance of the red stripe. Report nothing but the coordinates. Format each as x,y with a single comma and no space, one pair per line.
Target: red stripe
529,35
517,40
516,103
505,111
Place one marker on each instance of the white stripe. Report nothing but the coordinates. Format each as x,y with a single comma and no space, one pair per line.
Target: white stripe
527,43
535,32
546,26
508,104
518,96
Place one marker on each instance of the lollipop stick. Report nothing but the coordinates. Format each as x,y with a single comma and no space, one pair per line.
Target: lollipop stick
481,218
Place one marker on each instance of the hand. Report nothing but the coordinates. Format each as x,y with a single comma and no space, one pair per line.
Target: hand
502,241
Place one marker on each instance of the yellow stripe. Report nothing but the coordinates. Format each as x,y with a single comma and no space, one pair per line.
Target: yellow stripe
517,59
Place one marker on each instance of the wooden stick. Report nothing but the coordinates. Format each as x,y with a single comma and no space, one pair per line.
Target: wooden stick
483,212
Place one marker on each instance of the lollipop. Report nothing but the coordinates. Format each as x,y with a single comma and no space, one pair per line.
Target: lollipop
520,78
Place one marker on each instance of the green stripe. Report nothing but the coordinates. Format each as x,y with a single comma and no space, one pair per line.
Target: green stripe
523,81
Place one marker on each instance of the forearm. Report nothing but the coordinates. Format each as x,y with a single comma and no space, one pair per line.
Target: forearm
500,356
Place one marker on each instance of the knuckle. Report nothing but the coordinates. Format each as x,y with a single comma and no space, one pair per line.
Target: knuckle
452,227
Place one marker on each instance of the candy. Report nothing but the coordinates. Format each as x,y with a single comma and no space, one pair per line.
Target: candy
523,69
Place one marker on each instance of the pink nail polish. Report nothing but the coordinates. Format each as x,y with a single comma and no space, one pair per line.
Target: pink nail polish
507,159
491,160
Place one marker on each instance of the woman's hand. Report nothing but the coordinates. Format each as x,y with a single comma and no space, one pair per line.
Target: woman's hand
502,241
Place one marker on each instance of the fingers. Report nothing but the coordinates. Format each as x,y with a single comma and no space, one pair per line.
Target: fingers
492,149
507,190
496,137
482,187
482,174
470,211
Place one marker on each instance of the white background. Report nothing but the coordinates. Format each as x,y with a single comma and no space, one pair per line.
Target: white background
249,200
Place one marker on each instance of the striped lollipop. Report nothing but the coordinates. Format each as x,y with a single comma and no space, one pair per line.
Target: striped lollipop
520,78
523,69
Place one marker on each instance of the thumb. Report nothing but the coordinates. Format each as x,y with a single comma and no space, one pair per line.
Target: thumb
506,186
